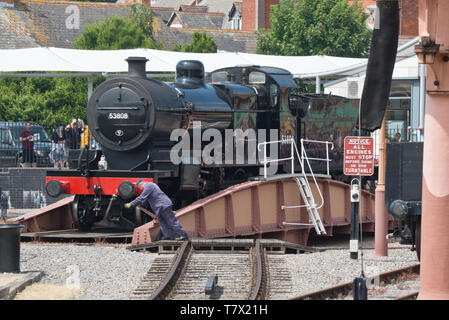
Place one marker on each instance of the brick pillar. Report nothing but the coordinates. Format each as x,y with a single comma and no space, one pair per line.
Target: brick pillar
434,26
268,4
249,15
409,18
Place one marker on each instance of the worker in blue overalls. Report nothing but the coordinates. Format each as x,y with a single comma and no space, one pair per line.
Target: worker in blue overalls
162,207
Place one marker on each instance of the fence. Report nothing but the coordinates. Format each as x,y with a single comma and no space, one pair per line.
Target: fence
405,135
11,149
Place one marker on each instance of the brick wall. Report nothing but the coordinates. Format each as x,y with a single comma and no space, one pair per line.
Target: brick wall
409,18
248,15
25,188
268,4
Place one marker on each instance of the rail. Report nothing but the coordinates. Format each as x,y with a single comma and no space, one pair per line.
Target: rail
183,275
293,147
260,271
167,285
294,150
345,289
304,154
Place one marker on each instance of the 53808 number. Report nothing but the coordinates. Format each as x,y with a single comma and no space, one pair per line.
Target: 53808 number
118,115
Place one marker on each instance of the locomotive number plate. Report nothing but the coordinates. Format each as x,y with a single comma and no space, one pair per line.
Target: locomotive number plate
118,115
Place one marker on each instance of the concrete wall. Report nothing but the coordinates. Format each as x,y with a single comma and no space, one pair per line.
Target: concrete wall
25,188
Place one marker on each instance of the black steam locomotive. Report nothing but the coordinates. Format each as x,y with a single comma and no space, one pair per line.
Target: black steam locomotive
167,132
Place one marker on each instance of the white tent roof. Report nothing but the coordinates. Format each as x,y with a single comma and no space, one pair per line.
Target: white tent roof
98,61
71,60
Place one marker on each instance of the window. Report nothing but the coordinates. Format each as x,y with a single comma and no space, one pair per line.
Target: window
256,78
399,111
221,76
237,23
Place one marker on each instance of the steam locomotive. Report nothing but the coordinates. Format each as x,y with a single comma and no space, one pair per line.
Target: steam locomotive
161,131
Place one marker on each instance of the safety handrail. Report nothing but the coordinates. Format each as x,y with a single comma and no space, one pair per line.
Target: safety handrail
317,159
293,148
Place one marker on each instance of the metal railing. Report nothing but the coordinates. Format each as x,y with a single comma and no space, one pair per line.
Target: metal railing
304,154
302,182
44,149
294,150
405,135
292,157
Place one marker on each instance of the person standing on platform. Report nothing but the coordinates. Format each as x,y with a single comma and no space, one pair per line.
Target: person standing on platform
73,137
161,204
26,137
58,137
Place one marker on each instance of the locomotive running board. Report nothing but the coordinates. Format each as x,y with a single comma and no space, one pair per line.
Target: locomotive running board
253,210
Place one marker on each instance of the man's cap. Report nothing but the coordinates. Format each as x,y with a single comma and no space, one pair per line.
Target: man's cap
139,181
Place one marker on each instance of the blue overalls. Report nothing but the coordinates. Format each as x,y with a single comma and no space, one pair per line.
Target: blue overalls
154,197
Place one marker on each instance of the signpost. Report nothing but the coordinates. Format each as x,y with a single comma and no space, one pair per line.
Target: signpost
358,161
359,156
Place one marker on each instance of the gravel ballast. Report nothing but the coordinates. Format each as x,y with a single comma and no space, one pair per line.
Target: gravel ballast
113,273
104,272
315,271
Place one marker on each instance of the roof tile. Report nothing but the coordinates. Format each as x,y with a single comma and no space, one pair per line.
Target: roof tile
34,23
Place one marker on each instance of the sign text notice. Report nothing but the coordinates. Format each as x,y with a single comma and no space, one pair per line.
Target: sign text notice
359,156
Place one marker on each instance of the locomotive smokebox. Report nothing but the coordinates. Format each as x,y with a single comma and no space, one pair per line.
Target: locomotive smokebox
136,67
189,74
131,115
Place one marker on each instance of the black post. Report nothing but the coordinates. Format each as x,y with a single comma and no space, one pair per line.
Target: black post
354,237
359,289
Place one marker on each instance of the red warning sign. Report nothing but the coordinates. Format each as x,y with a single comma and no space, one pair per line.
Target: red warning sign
359,156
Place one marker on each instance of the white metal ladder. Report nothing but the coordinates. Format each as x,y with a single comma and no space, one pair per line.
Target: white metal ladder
303,183
309,204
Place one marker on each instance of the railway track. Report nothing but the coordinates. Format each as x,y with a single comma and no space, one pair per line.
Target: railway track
400,284
241,274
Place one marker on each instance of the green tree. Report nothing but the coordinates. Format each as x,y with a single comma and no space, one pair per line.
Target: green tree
112,34
49,101
43,100
143,17
316,27
201,43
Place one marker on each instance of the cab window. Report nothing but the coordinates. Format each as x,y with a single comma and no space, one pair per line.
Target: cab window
256,78
221,76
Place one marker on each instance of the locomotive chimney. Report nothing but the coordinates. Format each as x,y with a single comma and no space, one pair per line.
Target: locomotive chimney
136,67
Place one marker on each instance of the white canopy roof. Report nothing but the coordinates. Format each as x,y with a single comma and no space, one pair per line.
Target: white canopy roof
71,60
99,61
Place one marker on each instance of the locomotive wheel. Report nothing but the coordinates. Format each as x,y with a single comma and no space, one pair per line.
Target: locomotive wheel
79,214
418,238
